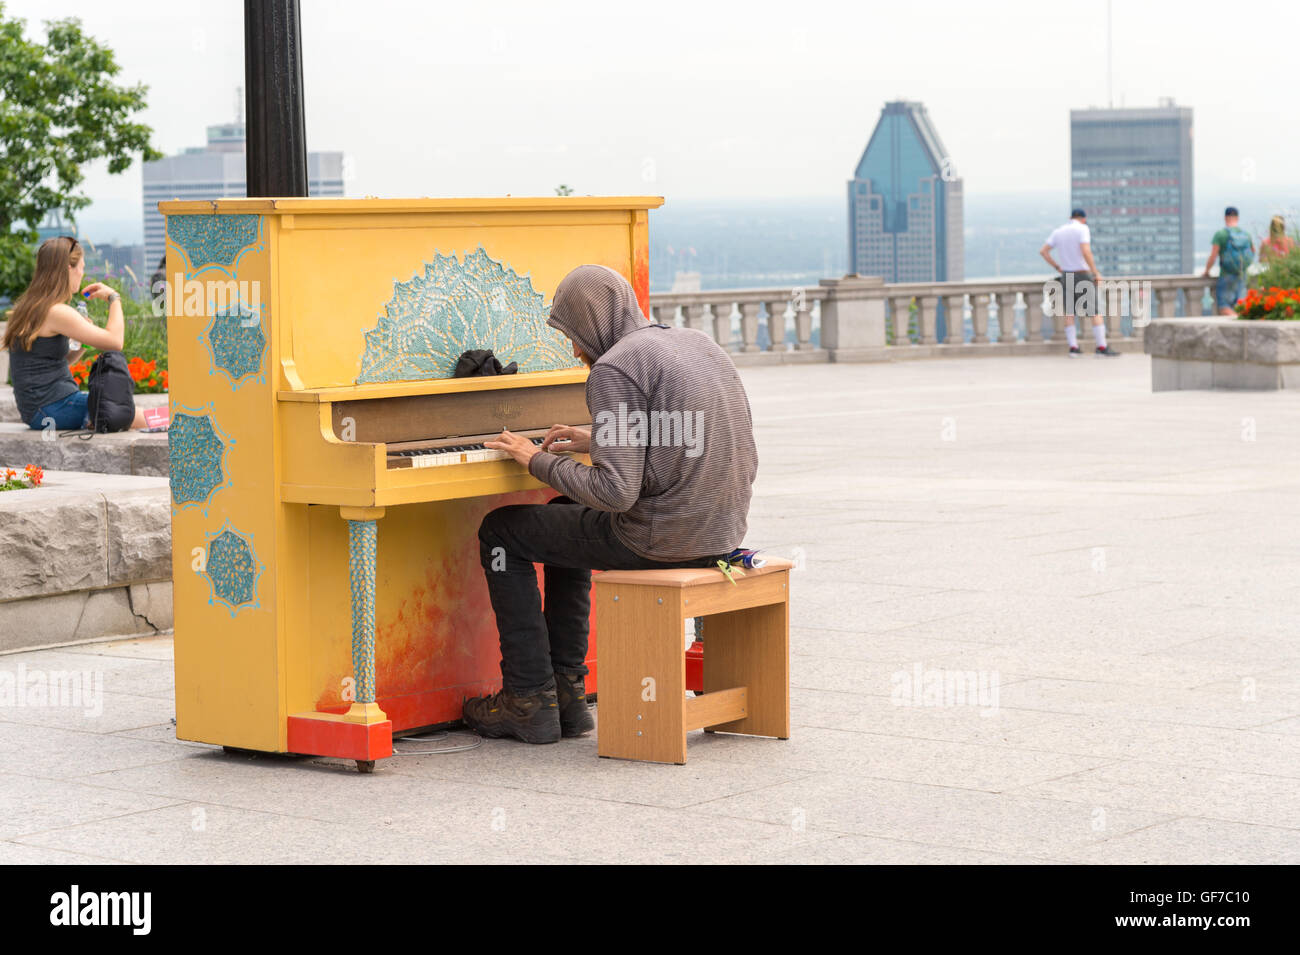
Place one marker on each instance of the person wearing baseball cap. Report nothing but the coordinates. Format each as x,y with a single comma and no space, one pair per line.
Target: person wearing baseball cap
1235,250
1077,286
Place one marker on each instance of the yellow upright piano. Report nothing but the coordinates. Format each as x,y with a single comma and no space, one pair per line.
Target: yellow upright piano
327,470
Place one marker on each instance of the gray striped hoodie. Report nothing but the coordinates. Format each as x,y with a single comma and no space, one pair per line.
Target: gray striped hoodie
672,449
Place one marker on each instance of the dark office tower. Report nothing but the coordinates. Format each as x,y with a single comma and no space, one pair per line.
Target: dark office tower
1131,171
905,208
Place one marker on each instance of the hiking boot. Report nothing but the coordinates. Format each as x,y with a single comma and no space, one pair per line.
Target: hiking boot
575,715
533,719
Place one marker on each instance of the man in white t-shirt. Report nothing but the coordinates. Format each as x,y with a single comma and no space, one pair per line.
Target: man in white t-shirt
1077,288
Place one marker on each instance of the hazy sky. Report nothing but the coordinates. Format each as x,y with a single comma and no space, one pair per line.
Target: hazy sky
711,100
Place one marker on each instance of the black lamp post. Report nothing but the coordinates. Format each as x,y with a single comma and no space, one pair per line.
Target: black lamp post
276,131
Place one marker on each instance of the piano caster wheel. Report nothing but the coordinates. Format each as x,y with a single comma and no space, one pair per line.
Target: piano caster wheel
365,765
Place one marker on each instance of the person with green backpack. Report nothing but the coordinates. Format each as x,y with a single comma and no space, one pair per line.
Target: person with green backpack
1235,250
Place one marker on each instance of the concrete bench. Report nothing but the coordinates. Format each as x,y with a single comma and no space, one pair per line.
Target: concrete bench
83,557
127,452
1223,353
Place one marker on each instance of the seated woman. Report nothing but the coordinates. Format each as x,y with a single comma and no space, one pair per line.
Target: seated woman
37,336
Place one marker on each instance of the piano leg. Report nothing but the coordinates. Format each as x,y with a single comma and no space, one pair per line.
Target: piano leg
364,732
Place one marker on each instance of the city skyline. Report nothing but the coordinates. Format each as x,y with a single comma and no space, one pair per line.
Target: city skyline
517,100
215,170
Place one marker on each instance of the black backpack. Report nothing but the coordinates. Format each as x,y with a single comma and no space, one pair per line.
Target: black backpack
111,403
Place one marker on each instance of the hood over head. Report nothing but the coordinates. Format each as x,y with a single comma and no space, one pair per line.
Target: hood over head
595,306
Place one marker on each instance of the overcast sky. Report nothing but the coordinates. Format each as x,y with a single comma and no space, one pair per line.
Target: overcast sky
711,100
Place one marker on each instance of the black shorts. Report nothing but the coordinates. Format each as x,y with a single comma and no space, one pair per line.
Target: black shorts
1078,294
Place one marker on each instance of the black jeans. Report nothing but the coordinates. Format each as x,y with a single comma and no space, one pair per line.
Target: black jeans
571,541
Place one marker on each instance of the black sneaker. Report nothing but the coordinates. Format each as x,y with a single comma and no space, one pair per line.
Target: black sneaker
575,715
1105,351
533,719
1074,352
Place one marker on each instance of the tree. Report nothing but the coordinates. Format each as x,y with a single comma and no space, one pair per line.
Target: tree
59,109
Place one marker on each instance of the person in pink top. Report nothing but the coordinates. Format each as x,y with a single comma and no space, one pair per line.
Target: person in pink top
1278,245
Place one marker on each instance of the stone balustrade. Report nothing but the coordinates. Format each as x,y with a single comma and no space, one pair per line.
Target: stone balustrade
864,319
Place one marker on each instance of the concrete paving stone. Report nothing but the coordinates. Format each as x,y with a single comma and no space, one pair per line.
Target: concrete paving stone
1262,651
1219,704
933,815
1196,842
34,805
867,850
160,733
982,766
412,816
1289,725
119,673
11,853
891,645
1180,791
855,712
885,677
1019,661
1253,750
94,713
575,769
205,834
58,753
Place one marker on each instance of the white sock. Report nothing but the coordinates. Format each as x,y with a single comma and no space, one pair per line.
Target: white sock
1099,333
1071,335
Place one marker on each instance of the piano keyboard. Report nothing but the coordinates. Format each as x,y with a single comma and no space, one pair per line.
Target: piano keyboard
455,454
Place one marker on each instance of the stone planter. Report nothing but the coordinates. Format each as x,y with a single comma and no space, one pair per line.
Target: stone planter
84,557
1223,353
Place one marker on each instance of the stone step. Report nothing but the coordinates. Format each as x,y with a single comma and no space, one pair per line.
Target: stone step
84,556
126,452
9,407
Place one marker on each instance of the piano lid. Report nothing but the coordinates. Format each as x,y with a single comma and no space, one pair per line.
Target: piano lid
366,292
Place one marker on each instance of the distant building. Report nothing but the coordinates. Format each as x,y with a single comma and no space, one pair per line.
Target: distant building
905,202
1131,171
214,171
686,282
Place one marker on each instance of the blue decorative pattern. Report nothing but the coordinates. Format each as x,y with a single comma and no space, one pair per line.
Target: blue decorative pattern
197,448
216,240
236,342
232,569
451,308
361,566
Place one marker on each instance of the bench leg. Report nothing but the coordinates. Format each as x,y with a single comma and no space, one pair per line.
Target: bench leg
642,674
751,648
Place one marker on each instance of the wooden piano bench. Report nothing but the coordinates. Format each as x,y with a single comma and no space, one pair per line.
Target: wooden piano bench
643,710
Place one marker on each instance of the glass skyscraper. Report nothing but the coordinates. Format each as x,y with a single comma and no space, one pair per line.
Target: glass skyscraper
1131,171
905,202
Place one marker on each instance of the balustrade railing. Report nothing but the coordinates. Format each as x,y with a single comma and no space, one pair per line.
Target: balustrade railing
866,319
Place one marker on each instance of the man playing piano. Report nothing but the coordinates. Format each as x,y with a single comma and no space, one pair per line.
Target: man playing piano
672,463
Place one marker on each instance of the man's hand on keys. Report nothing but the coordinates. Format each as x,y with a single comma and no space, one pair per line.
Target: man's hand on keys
563,437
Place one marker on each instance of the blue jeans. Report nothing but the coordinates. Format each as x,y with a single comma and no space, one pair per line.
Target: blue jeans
67,413
1228,290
